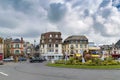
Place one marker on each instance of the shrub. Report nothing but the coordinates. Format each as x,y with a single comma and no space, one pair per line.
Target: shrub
60,62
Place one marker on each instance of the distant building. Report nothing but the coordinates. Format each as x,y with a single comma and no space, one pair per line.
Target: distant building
17,47
117,44
93,48
75,44
28,48
51,45
7,46
1,49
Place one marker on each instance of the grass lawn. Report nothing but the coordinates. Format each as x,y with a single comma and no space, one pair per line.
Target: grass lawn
84,66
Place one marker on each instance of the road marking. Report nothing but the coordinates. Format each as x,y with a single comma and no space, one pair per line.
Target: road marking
3,74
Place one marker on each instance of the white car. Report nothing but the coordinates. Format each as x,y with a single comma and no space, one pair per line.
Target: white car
8,59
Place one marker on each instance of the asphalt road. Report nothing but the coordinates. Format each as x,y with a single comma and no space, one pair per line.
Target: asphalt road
38,71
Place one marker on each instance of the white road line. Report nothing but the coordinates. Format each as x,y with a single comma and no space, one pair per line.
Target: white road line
3,74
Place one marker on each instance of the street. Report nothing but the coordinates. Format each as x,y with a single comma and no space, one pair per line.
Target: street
38,71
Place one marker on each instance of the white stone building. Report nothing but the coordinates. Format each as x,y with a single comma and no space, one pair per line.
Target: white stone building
51,45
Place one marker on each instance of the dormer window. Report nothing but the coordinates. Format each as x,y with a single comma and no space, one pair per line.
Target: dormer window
50,35
56,36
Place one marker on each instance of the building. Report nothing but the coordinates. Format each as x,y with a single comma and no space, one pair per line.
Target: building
28,49
75,44
1,45
115,52
17,47
94,50
1,50
7,43
51,45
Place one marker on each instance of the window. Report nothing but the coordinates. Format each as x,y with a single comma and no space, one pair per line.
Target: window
11,46
16,45
80,45
51,50
50,40
85,46
42,41
71,42
76,45
56,50
42,46
42,37
56,45
76,42
81,41
50,35
49,45
76,51
17,51
56,36
71,46
56,41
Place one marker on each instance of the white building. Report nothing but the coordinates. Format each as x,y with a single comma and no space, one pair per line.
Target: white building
51,45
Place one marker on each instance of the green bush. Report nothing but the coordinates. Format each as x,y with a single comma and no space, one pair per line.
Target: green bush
92,62
60,62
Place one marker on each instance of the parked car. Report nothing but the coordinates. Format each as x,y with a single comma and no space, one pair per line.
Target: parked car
22,59
8,59
35,59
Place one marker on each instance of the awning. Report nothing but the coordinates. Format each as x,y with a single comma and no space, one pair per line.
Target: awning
78,54
96,56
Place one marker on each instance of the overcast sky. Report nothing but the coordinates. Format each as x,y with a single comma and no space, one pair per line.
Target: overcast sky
98,20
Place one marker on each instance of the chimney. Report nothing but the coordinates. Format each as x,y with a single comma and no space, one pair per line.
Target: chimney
21,39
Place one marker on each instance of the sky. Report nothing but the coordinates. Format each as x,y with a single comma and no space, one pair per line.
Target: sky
98,20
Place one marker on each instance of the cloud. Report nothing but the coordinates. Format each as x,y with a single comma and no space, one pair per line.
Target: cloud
97,19
105,3
56,11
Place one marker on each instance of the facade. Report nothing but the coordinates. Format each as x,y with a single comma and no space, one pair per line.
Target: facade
28,48
51,45
1,50
7,43
75,44
94,50
1,45
17,47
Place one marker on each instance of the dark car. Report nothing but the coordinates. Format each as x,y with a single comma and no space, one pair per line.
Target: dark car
35,59
22,59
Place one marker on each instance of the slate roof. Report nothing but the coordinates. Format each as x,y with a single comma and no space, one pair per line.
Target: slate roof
117,44
16,40
81,37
